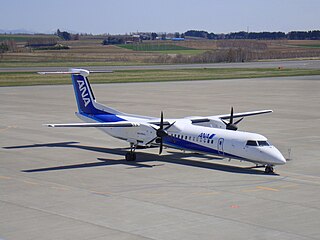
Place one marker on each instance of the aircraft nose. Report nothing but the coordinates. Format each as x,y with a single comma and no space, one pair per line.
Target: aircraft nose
276,156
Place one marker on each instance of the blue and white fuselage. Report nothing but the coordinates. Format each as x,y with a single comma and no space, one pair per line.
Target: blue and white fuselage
195,134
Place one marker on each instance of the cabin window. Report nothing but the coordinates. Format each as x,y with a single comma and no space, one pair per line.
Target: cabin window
194,139
186,137
211,141
252,143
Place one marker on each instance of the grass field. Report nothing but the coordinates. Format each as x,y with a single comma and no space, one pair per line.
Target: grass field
28,79
162,48
153,47
89,51
23,37
309,46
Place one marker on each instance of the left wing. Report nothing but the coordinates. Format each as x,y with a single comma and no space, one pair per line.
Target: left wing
110,125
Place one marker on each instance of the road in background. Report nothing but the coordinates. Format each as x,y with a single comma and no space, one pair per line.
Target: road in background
305,64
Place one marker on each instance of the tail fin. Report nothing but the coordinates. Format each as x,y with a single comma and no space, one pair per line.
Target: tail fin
84,94
85,98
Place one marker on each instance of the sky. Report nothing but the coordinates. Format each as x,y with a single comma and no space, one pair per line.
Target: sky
125,16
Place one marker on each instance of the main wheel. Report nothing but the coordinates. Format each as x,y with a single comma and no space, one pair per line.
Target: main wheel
130,156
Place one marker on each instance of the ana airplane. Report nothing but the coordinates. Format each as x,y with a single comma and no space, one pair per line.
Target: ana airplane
216,135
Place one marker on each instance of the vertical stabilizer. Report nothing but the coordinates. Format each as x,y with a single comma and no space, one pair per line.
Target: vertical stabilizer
84,96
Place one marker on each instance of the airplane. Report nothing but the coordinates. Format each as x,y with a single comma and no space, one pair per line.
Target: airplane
213,135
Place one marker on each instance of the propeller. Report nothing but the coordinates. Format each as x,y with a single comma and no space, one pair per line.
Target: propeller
161,132
230,125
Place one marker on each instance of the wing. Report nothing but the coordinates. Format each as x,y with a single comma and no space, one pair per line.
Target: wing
110,125
244,114
227,116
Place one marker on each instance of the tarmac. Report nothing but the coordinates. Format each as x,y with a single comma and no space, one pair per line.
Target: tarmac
75,184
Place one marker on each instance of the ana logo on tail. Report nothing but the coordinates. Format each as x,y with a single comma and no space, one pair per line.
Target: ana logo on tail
84,93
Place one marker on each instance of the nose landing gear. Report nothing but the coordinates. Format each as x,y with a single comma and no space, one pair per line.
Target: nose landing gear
269,169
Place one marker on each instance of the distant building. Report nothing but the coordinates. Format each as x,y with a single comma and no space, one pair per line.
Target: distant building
178,39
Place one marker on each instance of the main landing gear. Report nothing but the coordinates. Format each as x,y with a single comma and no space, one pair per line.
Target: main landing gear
131,156
269,169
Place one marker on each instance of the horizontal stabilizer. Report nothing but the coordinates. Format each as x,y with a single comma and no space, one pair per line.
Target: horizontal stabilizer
108,125
79,71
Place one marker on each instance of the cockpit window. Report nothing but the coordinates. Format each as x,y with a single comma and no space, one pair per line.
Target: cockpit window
252,143
263,143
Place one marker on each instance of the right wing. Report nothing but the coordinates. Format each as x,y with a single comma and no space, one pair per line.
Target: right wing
227,116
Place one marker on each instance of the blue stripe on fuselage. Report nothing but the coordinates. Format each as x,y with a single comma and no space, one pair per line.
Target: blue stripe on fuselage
186,145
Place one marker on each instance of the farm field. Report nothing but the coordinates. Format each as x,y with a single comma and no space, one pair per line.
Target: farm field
89,51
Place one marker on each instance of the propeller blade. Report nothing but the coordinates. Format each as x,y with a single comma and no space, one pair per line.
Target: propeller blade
231,125
231,116
238,121
151,141
170,126
161,146
161,121
224,122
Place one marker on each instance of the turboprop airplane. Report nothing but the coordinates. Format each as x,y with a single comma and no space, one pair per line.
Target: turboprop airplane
215,135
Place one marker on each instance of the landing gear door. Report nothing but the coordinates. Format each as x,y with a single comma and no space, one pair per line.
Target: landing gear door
220,146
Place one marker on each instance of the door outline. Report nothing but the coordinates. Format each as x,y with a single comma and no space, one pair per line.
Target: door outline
220,146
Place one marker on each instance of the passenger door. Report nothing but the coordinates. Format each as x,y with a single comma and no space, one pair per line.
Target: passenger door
220,146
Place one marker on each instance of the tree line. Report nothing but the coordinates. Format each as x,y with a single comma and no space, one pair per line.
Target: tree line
294,35
66,35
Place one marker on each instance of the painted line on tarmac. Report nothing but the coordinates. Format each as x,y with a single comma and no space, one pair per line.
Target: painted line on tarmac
268,188
7,128
29,182
5,177
60,188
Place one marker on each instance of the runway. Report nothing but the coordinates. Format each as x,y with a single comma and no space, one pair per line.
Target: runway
75,184
305,64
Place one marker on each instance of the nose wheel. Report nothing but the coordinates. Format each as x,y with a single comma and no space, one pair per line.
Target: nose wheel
269,170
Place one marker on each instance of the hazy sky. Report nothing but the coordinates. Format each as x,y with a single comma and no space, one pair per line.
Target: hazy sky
124,16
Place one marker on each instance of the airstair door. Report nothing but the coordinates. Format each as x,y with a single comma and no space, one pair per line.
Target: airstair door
220,146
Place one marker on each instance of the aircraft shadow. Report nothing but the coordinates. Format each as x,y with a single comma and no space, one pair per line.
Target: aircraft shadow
142,159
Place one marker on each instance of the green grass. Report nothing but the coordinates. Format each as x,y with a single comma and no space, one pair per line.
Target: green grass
23,37
27,79
162,48
182,52
153,47
60,63
309,46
